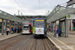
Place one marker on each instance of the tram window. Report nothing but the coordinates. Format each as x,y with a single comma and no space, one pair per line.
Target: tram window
39,24
25,27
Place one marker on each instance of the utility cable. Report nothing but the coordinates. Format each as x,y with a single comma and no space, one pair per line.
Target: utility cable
19,6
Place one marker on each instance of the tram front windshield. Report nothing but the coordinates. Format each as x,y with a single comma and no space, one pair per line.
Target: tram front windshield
39,24
25,27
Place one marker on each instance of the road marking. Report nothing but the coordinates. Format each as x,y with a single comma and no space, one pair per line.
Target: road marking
63,43
54,43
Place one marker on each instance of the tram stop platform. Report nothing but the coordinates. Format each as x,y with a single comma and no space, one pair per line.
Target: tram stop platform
63,43
3,37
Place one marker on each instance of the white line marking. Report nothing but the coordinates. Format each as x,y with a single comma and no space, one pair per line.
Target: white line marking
54,43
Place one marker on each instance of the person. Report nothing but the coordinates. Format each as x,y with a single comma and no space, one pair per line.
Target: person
57,32
13,29
7,30
49,29
16,30
20,29
60,34
54,31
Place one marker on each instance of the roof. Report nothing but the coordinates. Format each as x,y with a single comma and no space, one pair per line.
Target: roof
8,16
31,16
59,12
70,2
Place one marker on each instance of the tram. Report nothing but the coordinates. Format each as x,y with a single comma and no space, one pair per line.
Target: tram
26,27
39,27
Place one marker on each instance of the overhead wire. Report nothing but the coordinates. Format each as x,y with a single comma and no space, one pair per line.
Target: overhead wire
19,6
23,10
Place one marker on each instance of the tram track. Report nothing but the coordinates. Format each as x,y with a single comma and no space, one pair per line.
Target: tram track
26,42
11,42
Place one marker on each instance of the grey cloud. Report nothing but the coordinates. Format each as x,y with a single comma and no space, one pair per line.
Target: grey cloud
32,6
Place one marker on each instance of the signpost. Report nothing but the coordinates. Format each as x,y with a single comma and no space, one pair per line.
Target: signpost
70,16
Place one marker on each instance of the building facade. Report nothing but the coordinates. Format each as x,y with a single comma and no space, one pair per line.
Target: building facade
71,4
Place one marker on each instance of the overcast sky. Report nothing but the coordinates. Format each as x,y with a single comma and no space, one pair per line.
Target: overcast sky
29,7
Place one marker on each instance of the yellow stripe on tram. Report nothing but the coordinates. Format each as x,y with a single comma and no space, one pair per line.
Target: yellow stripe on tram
39,20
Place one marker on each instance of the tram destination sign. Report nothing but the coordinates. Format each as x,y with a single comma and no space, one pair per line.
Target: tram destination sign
70,16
